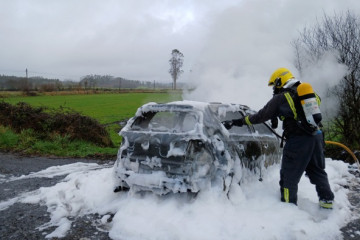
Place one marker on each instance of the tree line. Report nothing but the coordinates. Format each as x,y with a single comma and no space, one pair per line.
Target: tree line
13,83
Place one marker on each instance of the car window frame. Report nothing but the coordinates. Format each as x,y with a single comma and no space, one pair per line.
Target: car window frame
146,118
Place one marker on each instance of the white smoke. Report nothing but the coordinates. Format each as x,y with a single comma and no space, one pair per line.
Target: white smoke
247,42
323,75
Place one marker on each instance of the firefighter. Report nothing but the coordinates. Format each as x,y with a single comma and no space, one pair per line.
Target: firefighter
304,147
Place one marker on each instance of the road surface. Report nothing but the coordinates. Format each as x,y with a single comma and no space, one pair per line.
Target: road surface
21,221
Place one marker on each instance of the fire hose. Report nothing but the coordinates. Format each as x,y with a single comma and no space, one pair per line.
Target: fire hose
346,149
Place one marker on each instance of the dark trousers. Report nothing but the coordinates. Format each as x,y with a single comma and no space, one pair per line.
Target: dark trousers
301,154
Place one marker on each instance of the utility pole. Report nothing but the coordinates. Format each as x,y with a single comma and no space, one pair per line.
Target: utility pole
26,87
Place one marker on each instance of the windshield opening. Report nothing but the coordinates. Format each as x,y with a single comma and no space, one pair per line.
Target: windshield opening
175,122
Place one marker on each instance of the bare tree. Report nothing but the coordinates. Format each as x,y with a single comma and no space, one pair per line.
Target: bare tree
176,62
342,34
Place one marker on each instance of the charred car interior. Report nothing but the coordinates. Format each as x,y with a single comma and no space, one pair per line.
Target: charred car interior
183,147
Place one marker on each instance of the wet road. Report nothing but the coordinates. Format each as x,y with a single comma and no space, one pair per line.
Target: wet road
352,229
22,221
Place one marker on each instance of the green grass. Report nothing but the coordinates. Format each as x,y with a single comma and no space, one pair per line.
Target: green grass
27,142
108,109
8,139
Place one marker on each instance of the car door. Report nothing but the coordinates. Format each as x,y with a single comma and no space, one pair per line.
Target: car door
269,142
246,143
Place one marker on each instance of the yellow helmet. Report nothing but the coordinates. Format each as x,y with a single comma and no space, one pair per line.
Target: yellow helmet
280,77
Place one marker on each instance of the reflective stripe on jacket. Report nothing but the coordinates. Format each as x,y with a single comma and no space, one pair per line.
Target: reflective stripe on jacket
281,105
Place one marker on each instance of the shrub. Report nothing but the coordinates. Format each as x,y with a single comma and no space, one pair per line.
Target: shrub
45,123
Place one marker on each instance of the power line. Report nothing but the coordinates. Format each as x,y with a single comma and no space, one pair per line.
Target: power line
54,74
27,72
8,70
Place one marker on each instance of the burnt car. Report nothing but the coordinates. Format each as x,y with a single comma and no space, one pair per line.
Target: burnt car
183,147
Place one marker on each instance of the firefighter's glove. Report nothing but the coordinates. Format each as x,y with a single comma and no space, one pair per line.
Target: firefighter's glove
274,123
238,122
228,124
235,122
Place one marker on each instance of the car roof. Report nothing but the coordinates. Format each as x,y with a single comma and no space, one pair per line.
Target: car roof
190,106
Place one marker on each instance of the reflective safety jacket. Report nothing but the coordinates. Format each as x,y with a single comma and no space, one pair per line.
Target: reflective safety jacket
283,106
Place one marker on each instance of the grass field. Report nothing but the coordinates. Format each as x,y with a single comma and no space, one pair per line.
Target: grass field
108,109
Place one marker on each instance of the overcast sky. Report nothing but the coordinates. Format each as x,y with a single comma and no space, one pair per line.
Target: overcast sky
229,46
132,39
